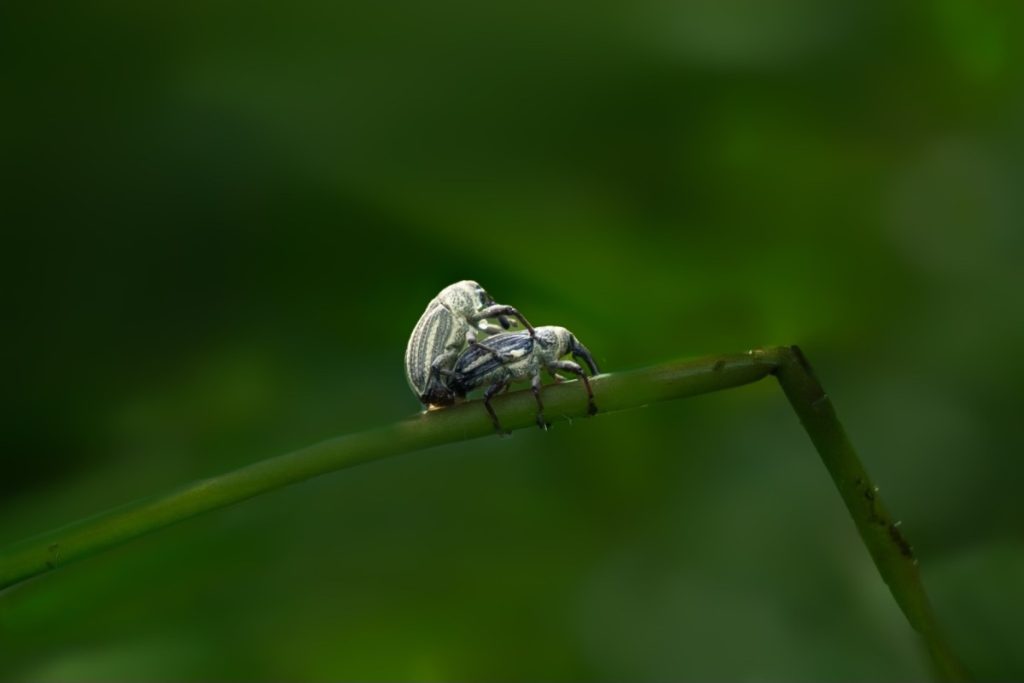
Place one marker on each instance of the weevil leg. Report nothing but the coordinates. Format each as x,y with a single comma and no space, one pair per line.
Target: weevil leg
574,368
444,361
497,310
437,392
490,329
471,341
535,386
489,393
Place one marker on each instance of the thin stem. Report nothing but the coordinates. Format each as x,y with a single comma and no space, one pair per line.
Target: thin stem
616,391
889,549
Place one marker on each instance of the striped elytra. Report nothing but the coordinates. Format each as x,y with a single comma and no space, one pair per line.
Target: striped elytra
431,337
478,365
438,337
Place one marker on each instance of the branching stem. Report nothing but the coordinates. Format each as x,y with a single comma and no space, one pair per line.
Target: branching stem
888,547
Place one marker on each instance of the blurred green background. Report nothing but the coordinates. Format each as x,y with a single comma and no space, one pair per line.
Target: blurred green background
221,222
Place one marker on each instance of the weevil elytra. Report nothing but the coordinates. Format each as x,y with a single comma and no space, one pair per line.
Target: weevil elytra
446,328
515,356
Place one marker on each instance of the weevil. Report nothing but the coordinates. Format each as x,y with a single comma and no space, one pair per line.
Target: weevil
515,356
444,330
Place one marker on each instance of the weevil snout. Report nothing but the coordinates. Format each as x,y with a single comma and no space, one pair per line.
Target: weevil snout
580,351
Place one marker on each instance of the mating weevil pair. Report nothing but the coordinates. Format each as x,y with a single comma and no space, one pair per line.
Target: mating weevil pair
444,361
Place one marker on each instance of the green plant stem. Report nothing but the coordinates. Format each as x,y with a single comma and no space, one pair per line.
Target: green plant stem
467,421
888,547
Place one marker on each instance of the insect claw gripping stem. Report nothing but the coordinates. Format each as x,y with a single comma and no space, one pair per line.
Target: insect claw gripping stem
569,366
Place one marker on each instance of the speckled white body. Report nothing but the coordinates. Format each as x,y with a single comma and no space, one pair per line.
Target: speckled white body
517,356
450,321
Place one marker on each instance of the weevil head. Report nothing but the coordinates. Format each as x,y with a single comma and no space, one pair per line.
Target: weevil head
554,342
465,296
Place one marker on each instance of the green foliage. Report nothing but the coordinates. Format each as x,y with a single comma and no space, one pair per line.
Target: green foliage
222,222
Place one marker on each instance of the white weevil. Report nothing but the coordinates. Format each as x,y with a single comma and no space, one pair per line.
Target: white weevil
515,356
447,326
